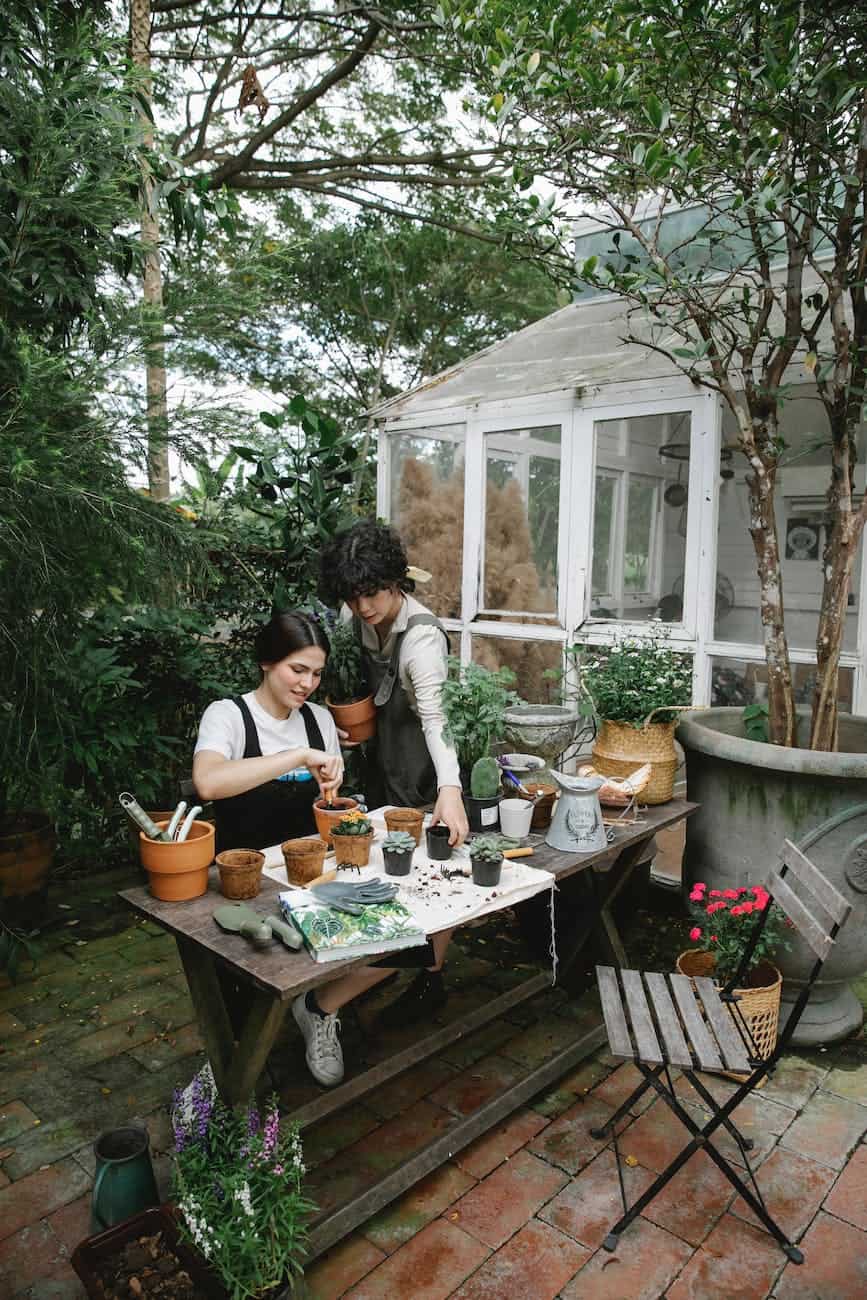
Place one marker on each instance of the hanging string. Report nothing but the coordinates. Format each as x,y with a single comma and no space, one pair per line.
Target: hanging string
552,951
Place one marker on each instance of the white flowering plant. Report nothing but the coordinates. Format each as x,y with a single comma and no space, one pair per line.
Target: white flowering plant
237,1182
631,679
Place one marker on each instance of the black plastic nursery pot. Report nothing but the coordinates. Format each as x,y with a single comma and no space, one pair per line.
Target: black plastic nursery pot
396,864
483,814
486,873
438,847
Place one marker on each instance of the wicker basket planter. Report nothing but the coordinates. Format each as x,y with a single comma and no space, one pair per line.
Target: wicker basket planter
758,1003
619,749
304,859
405,819
352,850
240,872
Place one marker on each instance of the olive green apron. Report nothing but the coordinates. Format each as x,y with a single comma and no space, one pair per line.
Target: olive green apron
400,770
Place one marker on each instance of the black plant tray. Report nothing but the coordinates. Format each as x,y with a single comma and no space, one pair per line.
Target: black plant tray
91,1252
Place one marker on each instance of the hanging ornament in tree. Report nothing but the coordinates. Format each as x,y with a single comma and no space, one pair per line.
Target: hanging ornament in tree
252,93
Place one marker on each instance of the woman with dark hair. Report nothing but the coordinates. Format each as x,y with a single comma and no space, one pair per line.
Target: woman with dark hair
404,650
264,757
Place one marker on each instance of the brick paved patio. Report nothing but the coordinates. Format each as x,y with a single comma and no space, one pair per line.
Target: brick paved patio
103,1031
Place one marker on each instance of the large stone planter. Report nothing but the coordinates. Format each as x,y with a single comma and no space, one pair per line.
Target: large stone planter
543,729
752,797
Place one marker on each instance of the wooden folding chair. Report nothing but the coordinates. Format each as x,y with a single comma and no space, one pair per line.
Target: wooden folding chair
658,1021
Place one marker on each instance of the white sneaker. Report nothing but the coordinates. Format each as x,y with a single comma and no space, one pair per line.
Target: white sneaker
324,1053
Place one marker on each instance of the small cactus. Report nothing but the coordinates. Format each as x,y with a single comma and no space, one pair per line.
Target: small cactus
485,779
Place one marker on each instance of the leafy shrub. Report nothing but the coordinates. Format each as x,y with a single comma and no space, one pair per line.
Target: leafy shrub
631,679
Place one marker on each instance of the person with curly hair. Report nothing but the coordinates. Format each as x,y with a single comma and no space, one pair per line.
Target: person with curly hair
404,648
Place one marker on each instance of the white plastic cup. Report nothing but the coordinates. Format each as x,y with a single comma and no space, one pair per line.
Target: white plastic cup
515,817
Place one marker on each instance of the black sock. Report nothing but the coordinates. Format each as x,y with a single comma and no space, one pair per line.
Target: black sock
312,1005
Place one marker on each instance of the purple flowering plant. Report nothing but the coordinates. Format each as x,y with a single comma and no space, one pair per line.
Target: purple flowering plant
237,1180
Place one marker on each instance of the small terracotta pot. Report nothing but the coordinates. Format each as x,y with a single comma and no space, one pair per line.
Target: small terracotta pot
178,872
542,808
304,859
240,872
358,719
352,850
327,815
410,820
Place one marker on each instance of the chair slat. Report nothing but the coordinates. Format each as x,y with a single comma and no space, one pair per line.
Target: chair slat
733,1050
666,1017
837,907
640,1018
619,1041
703,1045
807,926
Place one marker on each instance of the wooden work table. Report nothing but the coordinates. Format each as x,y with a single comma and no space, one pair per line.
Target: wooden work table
274,977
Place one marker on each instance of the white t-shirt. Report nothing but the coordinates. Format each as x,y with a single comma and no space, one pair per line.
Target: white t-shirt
222,729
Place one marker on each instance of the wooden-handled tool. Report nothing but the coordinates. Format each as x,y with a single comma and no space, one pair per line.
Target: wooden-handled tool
323,879
526,852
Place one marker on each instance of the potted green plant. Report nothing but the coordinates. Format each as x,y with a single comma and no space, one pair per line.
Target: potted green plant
343,687
352,837
474,702
397,851
722,925
486,855
635,688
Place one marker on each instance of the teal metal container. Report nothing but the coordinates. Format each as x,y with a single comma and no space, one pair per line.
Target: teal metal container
124,1182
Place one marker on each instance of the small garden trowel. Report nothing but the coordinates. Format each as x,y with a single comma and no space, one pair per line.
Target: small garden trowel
240,919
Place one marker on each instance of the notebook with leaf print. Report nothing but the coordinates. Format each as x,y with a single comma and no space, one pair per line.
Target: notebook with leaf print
330,935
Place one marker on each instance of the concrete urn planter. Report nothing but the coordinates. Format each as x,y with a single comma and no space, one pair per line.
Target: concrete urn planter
752,797
542,729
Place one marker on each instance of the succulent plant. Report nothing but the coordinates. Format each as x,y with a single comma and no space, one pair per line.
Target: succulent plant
485,778
354,823
398,842
489,848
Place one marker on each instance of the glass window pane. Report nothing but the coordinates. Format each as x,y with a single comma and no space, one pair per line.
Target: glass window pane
738,682
522,517
427,508
536,664
641,505
802,482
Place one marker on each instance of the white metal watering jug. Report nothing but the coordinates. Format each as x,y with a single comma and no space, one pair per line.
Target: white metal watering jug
577,825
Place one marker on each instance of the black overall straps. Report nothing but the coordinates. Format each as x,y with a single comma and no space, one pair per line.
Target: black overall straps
399,766
274,811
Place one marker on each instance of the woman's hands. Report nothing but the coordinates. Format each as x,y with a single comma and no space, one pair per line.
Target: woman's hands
449,809
326,768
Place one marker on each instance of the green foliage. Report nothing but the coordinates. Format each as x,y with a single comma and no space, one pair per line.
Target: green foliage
342,678
14,944
238,1183
755,718
474,702
485,778
354,823
487,848
723,922
398,842
633,678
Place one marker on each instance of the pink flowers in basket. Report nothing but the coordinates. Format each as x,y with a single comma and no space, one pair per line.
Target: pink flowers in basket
731,914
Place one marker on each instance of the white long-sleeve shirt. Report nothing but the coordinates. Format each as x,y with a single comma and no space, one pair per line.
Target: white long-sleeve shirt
423,669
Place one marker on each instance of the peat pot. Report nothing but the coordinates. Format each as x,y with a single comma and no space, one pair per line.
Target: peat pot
751,797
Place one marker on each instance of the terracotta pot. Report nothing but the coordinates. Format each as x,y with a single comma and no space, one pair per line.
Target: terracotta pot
328,814
410,820
304,859
758,1001
352,850
178,872
240,872
357,718
543,808
26,853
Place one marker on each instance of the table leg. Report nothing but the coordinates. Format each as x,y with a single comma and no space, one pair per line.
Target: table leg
236,1065
620,873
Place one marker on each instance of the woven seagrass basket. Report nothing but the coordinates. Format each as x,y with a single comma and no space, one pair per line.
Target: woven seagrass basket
758,1004
619,749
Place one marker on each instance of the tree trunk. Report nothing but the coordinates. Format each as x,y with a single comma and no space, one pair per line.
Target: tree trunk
844,528
159,479
763,530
